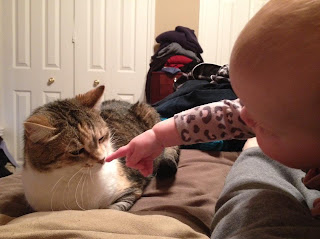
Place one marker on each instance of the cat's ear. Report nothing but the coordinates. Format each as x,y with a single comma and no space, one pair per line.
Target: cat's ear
92,98
38,129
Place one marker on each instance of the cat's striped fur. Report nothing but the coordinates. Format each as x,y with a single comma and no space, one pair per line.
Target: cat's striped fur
66,142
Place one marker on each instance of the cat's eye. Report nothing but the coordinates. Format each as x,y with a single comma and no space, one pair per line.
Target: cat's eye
77,152
102,139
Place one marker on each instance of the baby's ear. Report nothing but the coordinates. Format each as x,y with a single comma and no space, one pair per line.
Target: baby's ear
38,129
92,98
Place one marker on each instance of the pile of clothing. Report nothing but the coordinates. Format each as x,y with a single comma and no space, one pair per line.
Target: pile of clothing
198,92
200,83
179,51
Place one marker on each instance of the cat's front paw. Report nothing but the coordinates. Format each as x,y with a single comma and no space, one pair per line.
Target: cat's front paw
168,164
166,169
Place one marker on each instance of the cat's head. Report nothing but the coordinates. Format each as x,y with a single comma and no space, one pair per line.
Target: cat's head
67,132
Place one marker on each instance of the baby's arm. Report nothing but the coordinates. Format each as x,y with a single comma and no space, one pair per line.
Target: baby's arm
215,121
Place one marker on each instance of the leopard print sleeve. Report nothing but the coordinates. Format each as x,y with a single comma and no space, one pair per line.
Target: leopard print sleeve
215,121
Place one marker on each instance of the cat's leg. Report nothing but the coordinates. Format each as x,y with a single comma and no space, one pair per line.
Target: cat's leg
126,201
166,165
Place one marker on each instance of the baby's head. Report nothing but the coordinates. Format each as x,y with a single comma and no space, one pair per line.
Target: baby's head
275,71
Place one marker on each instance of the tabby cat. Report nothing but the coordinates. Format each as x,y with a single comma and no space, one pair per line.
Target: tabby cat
66,142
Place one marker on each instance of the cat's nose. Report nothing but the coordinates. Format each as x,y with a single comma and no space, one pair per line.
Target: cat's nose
102,161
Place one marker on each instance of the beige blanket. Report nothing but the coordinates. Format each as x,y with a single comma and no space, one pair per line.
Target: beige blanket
182,208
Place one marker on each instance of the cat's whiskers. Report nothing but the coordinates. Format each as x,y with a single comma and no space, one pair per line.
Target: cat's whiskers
115,141
91,176
112,136
76,193
67,188
74,176
87,187
53,191
63,199
83,184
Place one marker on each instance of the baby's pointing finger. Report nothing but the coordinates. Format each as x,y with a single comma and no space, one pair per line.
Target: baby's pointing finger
121,152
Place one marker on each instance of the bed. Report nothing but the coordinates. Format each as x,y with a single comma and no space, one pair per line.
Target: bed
179,208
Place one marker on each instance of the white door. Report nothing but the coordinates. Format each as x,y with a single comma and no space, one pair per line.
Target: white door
112,46
37,38
55,48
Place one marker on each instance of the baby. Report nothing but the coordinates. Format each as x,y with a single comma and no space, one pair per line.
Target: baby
274,70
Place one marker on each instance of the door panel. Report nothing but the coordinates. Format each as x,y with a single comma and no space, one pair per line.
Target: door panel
38,46
111,47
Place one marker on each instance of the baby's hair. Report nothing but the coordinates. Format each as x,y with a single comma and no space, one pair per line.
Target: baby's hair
293,22
279,47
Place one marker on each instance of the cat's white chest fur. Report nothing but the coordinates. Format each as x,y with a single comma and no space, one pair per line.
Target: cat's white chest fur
74,187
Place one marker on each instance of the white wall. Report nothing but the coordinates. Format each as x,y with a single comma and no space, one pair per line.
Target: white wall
1,70
220,22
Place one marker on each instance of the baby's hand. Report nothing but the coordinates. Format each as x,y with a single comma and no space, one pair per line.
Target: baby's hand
315,211
140,152
312,181
252,142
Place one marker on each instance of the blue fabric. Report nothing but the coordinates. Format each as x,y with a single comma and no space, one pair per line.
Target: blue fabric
171,70
193,93
209,146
